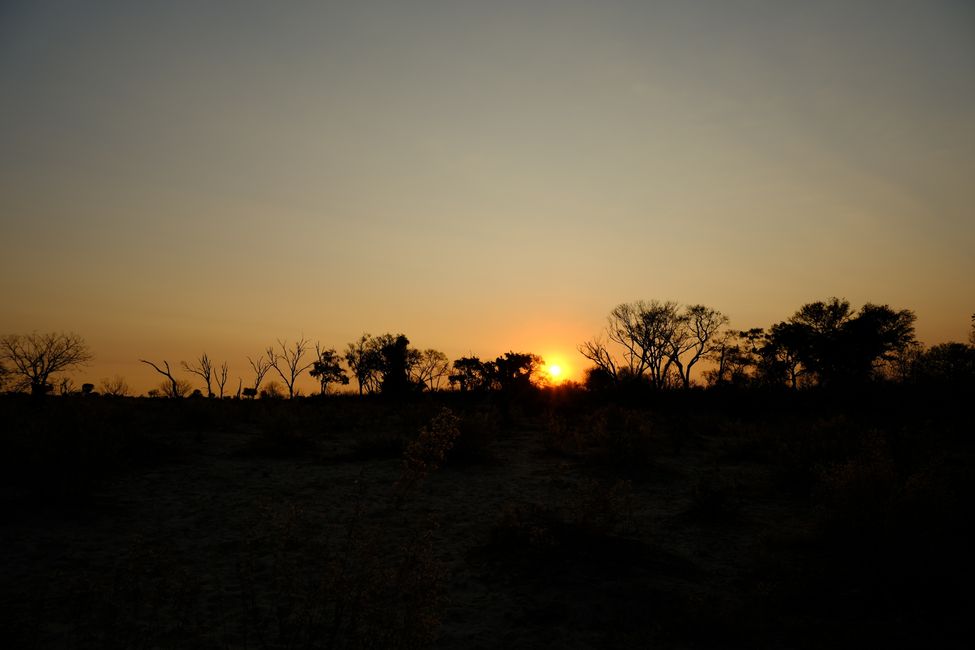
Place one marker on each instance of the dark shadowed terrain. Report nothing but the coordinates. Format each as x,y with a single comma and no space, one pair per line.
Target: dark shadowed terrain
563,519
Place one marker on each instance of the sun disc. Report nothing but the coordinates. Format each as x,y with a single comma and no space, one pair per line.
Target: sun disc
554,370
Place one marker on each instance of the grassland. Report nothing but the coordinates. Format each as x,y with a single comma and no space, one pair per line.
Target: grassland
561,519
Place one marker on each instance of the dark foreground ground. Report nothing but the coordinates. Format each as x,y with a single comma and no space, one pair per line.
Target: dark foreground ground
559,520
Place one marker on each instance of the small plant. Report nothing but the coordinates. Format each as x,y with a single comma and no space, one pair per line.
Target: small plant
427,453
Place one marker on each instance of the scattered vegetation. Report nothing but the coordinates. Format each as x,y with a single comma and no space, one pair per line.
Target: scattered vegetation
812,496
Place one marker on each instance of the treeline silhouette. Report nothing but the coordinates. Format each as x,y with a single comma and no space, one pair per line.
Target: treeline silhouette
802,485
653,345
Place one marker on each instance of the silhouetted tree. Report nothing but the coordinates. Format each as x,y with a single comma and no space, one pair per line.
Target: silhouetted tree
115,387
829,343
383,363
176,387
261,366
512,372
971,334
470,374
65,386
221,378
87,388
31,359
694,338
272,390
735,357
289,362
429,369
597,351
946,365
657,340
396,363
202,367
598,379
327,368
364,359
780,355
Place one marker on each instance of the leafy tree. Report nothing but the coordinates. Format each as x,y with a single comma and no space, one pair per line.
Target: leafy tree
470,374
31,359
781,353
512,371
735,357
830,344
384,363
946,365
396,364
327,368
365,362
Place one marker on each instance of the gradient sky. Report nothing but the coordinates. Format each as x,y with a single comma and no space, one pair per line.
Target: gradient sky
179,177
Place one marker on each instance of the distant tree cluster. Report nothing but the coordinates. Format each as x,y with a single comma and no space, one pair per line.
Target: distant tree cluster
655,342
651,343
510,372
824,343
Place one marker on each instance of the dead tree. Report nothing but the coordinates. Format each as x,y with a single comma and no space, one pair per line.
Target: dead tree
175,390
221,377
261,367
33,358
203,368
288,364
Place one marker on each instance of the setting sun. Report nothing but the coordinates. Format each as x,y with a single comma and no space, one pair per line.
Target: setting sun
555,371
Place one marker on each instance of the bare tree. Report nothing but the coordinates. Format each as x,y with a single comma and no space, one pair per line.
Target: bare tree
261,368
33,358
176,387
598,352
65,386
288,364
115,387
203,367
645,332
430,368
656,340
221,377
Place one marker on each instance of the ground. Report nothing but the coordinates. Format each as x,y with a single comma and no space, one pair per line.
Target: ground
573,525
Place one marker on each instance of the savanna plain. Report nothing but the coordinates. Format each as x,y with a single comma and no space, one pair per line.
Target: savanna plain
556,518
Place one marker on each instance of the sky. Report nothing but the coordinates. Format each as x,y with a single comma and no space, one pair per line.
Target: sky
186,177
